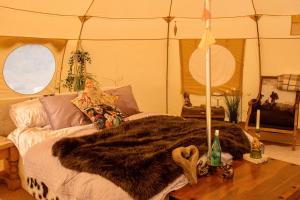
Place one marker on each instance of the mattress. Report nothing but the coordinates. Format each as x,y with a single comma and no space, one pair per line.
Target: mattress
24,139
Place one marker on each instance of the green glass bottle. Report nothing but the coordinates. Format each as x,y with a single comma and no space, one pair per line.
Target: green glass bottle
216,151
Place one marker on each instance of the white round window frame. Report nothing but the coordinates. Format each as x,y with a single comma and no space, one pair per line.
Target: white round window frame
46,85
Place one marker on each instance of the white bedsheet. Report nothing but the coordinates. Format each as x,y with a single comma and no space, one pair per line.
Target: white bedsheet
24,139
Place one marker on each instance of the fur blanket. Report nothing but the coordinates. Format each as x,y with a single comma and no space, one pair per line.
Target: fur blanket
137,154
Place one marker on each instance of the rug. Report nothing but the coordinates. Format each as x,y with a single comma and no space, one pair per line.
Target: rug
283,153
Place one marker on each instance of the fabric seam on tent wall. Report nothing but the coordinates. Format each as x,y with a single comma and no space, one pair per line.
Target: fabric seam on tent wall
61,66
141,39
144,18
83,20
168,20
258,38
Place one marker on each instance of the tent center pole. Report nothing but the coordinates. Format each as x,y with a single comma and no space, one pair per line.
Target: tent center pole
208,85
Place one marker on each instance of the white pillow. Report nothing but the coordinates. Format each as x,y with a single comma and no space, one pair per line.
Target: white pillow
30,113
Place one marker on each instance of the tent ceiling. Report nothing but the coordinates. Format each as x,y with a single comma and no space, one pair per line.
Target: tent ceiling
155,8
277,7
219,8
137,19
124,29
194,28
27,24
130,9
59,7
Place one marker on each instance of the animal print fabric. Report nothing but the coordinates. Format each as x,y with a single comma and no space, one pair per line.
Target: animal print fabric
39,190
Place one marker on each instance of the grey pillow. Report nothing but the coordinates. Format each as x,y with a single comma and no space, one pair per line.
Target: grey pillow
126,101
61,112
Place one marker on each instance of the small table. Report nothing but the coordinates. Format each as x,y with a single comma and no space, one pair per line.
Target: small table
272,180
9,153
199,112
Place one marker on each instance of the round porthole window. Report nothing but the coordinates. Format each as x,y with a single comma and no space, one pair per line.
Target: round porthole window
29,69
222,65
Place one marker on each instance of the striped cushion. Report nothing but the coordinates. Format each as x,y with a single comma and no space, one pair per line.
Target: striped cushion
288,82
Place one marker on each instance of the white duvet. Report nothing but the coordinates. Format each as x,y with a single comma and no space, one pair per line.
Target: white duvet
24,139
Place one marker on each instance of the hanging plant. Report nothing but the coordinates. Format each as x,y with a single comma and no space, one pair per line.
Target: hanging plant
77,74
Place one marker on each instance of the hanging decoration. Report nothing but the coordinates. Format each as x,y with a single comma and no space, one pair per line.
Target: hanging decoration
206,15
207,40
77,74
78,60
227,65
175,29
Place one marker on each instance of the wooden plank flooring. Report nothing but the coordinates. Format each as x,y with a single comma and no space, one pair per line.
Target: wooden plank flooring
269,181
19,194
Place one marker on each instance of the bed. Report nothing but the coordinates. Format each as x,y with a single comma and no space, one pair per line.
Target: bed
43,175
25,139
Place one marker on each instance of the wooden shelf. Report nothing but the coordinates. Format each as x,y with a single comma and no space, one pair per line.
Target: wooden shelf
199,112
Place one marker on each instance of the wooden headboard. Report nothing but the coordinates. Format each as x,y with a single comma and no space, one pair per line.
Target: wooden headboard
6,124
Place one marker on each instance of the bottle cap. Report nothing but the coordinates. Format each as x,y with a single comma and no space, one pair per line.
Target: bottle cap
216,132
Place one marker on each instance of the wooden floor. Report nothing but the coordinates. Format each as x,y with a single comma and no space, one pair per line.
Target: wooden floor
269,181
19,194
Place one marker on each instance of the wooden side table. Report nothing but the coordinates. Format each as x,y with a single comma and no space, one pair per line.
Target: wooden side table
9,153
199,112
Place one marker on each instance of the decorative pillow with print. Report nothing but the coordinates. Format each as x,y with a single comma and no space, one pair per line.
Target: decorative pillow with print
92,96
98,106
104,116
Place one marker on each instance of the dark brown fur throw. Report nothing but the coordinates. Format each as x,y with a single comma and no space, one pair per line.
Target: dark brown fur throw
137,154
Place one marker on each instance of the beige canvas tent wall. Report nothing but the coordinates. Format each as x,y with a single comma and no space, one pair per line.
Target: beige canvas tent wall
128,40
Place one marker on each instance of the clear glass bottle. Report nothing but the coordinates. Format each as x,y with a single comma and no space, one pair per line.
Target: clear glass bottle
216,151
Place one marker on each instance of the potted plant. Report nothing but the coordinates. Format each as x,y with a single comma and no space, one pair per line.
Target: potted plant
77,74
232,101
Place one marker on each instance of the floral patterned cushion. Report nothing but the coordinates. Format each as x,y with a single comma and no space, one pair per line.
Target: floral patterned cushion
92,96
104,116
98,106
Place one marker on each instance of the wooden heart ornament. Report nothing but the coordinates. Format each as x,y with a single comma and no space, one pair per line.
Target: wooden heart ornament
186,158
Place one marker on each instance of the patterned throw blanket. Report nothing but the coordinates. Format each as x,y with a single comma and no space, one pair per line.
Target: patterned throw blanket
137,154
289,82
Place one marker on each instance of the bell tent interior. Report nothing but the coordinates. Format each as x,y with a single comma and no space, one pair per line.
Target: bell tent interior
163,50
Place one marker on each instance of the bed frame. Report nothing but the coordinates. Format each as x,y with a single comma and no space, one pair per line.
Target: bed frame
6,124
